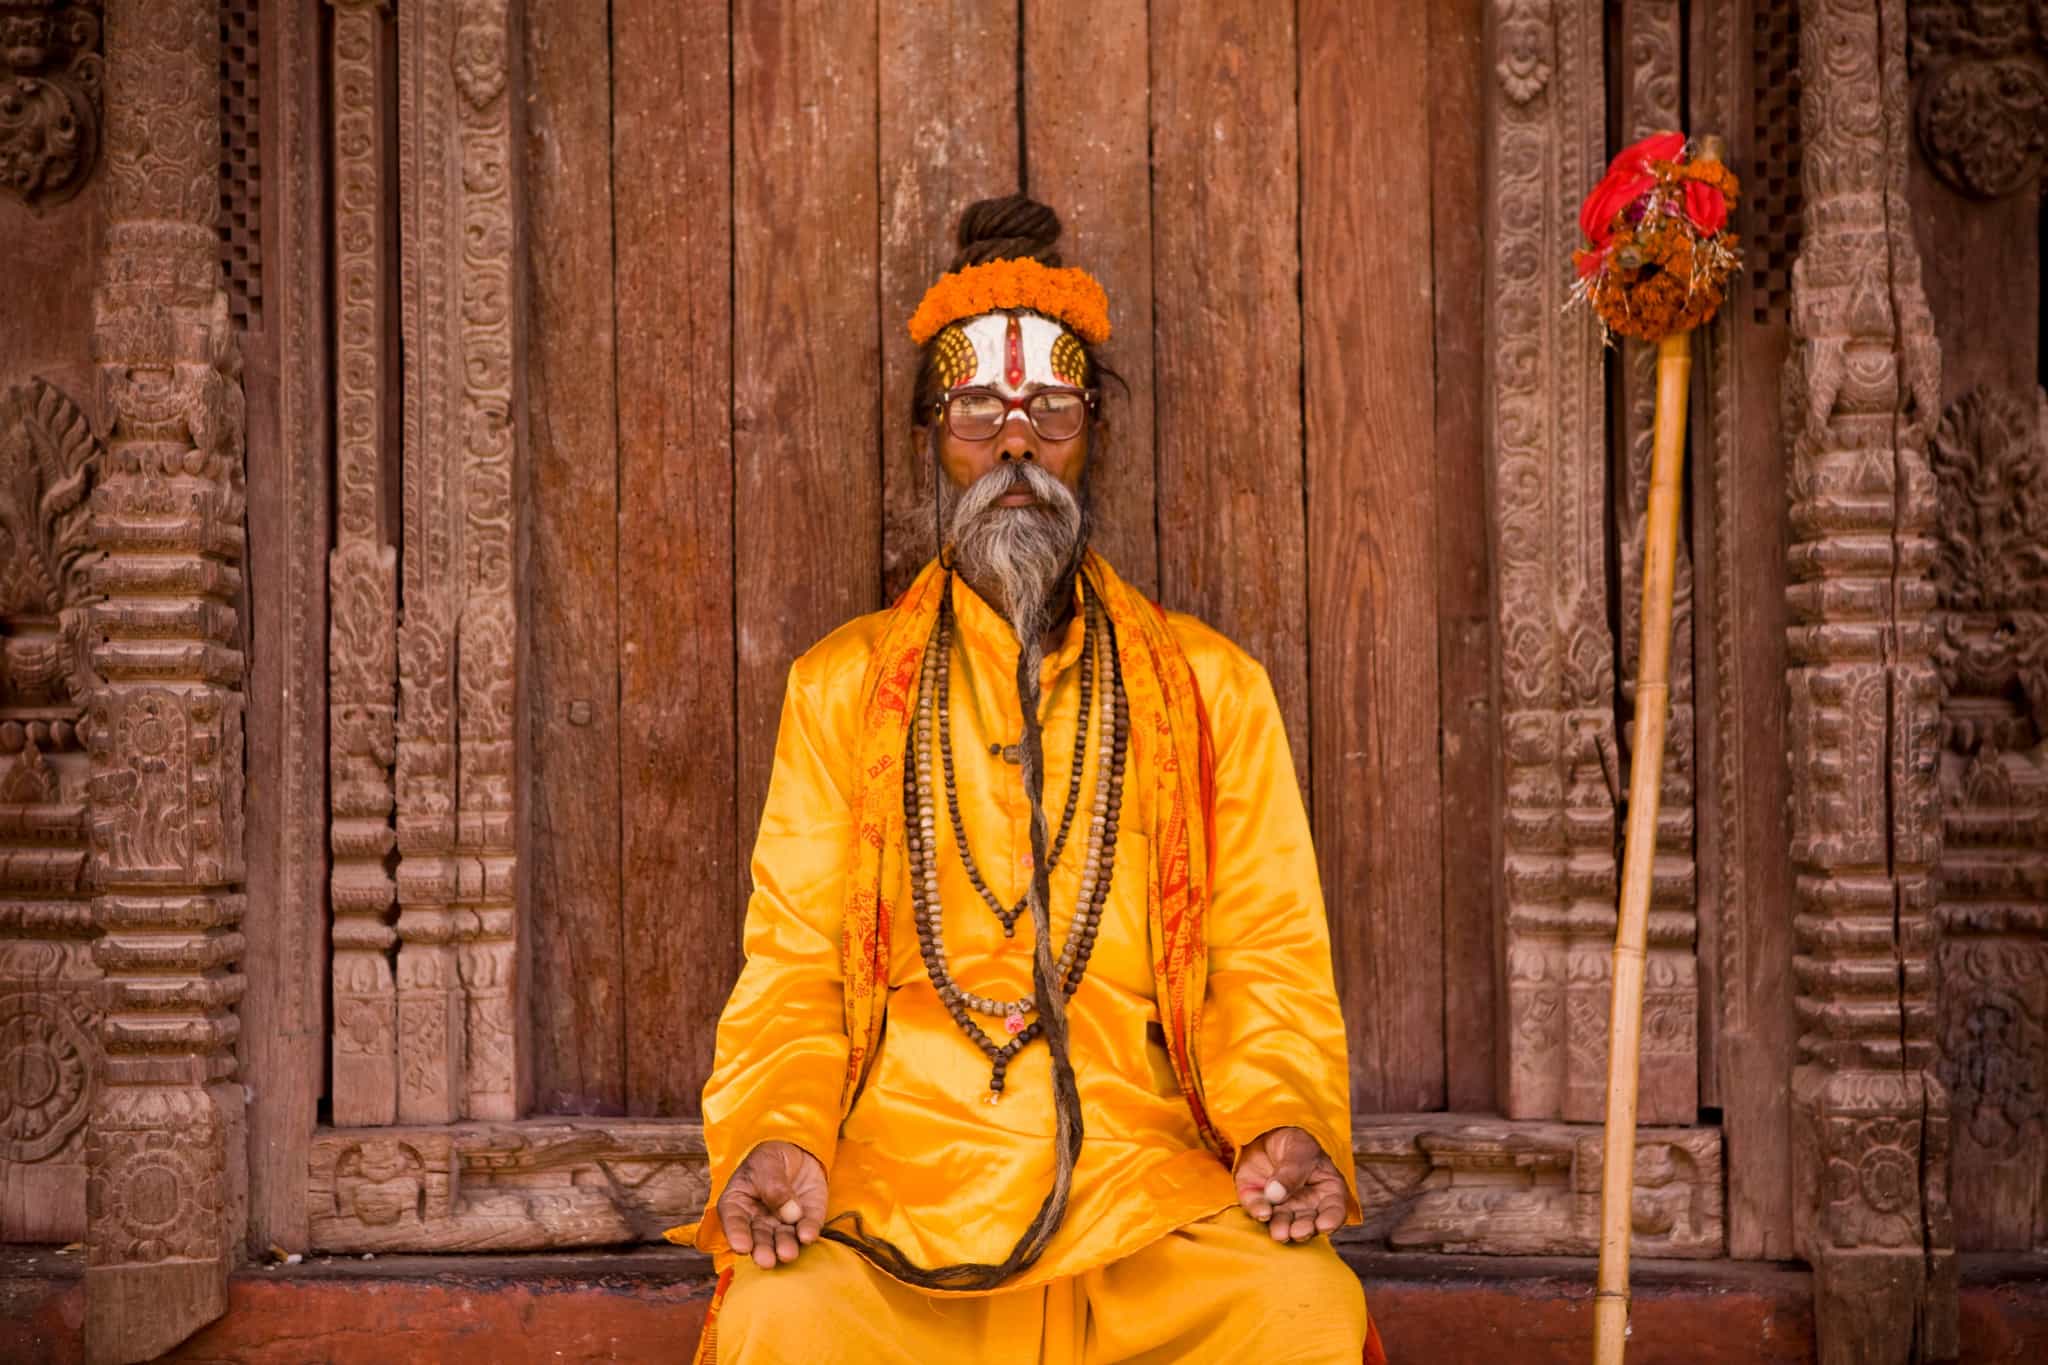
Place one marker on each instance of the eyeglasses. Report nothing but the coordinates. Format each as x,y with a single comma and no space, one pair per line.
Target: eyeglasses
1055,414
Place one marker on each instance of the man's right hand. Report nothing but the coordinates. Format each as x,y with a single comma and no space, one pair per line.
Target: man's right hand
774,1205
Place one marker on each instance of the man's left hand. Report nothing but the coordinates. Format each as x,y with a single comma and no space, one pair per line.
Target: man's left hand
1286,1182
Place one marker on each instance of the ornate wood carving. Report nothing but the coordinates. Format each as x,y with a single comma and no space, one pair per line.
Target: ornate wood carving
50,79
1671,1007
362,591
49,985
164,730
1982,110
1990,459
1870,1120
1549,491
458,1019
1437,1182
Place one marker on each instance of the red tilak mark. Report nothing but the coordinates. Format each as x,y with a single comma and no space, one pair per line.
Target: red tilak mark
1013,354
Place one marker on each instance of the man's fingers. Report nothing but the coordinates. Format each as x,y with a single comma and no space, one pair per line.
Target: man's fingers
1329,1215
764,1243
807,1231
1276,1191
790,1211
785,1244
734,1216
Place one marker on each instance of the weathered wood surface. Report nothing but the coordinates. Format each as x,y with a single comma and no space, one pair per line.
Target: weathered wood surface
1466,670
1086,152
807,544
679,858
947,137
1740,540
578,997
285,377
1369,395
1226,338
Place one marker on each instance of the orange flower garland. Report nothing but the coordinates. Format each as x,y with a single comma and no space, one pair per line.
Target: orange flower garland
1072,295
1658,258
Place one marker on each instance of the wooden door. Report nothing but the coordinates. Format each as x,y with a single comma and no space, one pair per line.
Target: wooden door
730,231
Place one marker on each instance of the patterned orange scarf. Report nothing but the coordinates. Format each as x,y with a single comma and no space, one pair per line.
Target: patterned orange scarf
1171,742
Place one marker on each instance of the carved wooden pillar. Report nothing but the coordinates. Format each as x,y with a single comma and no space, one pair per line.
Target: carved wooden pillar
362,586
1650,39
165,1199
1870,1121
458,961
1549,491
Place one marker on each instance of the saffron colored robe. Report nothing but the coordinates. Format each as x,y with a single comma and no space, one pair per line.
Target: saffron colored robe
921,1155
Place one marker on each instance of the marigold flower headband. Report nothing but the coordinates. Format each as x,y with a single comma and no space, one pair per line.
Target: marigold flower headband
1067,293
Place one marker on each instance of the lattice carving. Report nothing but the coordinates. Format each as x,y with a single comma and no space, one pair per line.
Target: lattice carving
1982,112
457,982
1557,655
51,76
1990,458
241,178
165,1201
1771,204
1870,1122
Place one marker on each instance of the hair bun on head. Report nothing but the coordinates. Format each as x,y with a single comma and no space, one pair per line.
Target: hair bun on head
1013,227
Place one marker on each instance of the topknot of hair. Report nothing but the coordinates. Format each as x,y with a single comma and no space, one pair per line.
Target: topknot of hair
1012,227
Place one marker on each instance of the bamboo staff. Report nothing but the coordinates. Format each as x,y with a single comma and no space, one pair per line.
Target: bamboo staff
1646,778
1655,270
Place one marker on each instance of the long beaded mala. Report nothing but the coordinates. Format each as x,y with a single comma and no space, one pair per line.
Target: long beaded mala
1112,716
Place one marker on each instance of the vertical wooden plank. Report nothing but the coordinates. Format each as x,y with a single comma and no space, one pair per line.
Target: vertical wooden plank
286,381
1744,59
1464,559
948,136
577,996
1367,318
1086,106
1227,339
806,431
672,187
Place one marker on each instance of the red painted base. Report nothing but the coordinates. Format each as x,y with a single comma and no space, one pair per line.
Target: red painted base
646,1305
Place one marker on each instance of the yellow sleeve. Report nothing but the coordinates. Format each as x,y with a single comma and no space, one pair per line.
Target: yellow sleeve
781,1054
1273,1050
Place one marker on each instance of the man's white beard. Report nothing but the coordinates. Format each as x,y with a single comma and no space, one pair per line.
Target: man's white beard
1017,557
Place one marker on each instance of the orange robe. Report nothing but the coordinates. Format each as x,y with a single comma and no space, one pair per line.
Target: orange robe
926,1161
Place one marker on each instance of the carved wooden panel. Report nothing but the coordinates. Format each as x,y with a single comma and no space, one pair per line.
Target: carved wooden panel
1435,1182
1870,1122
51,73
1981,106
1547,432
1650,41
457,1015
49,984
163,729
362,585
1990,457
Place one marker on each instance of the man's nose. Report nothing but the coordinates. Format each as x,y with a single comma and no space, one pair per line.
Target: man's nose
1018,441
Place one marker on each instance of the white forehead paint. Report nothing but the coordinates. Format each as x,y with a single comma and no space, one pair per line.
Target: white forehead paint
990,334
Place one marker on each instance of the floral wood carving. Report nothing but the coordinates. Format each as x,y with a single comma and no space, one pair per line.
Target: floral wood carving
1990,459
50,87
1982,112
48,459
1549,497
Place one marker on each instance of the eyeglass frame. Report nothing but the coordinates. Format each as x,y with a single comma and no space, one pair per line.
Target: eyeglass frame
1092,397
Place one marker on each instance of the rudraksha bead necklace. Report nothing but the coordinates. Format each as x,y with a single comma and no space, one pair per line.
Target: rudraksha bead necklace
1098,869
945,729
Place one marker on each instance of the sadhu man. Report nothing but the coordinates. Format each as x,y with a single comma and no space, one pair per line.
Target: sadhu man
1036,1053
